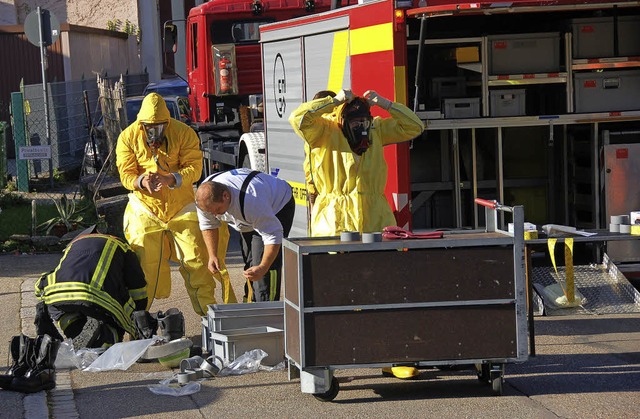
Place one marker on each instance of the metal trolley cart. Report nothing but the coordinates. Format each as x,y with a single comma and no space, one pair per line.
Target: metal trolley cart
457,300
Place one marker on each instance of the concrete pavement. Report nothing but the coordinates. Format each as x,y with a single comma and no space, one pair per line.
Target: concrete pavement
586,366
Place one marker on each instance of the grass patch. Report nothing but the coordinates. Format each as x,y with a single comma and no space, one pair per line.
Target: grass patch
17,219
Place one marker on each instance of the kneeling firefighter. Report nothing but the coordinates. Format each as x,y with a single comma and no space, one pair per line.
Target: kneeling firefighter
93,292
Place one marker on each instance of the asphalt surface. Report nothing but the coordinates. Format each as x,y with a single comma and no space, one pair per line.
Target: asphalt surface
585,367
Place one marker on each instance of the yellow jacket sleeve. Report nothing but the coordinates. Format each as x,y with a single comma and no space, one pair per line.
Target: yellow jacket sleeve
404,125
308,121
126,159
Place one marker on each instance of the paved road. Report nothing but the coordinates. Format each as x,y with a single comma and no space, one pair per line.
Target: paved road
586,367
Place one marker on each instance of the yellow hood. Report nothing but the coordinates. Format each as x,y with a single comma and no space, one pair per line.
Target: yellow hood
153,109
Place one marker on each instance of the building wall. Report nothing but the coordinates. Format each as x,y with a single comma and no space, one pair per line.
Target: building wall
88,52
8,12
94,14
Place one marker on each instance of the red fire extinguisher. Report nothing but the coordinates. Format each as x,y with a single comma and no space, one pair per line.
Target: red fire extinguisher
226,82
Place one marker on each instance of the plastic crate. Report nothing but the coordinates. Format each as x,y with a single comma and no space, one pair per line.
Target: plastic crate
242,315
509,102
230,344
524,53
595,37
462,108
607,91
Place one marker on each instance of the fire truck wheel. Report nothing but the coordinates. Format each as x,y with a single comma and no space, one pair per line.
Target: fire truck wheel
253,142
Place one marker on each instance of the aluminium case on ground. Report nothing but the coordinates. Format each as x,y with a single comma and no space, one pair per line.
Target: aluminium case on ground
456,300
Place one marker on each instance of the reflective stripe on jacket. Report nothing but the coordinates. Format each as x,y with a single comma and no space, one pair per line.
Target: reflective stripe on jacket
99,271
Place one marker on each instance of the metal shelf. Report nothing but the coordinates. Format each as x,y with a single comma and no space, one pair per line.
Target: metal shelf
604,63
517,121
524,79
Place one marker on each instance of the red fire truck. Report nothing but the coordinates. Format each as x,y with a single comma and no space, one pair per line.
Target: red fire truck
224,75
521,99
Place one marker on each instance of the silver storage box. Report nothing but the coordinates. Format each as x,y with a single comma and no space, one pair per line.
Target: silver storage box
468,107
594,37
448,87
507,102
607,91
231,344
524,53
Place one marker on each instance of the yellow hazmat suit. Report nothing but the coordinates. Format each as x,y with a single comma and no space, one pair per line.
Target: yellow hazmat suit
163,225
350,188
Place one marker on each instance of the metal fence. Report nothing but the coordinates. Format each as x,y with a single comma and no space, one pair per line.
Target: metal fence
69,128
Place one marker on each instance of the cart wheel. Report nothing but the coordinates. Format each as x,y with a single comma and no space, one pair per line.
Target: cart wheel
496,386
497,379
331,394
484,372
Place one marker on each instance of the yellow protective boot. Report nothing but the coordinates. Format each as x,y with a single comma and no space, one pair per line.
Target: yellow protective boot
400,372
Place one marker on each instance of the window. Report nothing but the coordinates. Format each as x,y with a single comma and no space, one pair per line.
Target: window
234,32
194,46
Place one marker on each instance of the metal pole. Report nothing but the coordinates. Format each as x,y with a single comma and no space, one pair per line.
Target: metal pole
43,62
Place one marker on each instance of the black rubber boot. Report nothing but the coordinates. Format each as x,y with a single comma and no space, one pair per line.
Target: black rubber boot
42,374
146,325
171,324
19,348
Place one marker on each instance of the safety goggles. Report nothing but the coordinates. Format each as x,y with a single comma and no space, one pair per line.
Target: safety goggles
360,126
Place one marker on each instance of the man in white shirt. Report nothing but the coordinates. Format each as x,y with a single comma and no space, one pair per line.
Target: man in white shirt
261,208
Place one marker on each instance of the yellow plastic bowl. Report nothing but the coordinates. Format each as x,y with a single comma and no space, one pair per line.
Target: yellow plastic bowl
173,360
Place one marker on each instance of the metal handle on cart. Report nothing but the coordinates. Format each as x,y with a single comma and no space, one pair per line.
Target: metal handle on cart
495,205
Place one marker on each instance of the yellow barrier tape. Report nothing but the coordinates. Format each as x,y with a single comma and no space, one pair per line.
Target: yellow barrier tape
299,193
569,287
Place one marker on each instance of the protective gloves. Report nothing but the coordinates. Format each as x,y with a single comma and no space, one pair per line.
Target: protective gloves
343,96
375,99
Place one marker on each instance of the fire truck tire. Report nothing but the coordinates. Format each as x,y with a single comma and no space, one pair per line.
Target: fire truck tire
253,143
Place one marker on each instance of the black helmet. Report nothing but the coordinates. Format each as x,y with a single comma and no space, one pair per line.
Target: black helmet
355,121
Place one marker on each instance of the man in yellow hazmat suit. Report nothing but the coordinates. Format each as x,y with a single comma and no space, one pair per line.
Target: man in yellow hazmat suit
347,163
159,159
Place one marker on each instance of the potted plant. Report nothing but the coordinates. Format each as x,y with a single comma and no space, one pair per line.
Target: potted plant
68,219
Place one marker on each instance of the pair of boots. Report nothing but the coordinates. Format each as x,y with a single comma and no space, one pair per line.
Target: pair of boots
169,324
33,367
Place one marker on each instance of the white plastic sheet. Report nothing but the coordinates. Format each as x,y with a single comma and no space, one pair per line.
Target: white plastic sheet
122,355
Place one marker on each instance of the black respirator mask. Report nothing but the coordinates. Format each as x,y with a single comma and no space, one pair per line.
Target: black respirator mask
357,133
154,133
356,123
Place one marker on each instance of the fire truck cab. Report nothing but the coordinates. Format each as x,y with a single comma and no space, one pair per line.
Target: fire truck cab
224,75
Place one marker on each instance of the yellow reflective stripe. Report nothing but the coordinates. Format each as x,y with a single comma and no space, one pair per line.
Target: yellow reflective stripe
339,54
374,38
138,294
76,291
400,84
66,319
102,268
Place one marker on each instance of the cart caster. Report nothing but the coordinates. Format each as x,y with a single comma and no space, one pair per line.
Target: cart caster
496,378
483,370
331,394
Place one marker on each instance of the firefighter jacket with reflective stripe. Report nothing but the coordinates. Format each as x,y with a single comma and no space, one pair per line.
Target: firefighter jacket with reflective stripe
98,272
